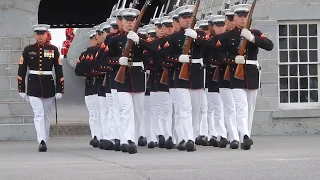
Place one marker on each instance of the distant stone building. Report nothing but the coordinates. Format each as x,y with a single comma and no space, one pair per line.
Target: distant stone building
288,102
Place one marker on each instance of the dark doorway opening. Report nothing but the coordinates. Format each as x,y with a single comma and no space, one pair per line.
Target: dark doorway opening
86,13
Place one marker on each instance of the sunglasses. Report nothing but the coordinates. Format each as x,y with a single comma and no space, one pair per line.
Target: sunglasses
242,14
40,32
129,18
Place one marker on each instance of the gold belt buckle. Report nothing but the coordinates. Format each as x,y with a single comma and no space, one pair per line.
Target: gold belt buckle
40,72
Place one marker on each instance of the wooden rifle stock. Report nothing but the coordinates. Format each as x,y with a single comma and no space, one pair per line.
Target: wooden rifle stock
227,73
185,69
121,75
239,73
216,74
164,76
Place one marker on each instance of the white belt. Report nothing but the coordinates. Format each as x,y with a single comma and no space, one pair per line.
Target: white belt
252,62
40,72
136,64
197,61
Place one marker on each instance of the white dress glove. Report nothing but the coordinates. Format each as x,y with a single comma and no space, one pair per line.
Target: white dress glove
191,33
148,71
184,58
240,60
133,36
247,34
24,96
58,96
123,61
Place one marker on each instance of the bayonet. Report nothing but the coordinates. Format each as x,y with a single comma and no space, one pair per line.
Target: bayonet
161,11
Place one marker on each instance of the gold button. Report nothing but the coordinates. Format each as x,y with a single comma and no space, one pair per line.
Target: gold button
40,49
40,56
40,69
40,60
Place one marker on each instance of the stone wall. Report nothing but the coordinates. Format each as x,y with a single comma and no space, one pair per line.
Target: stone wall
269,118
16,18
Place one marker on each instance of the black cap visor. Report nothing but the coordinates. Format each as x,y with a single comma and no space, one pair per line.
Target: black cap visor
229,17
167,24
242,13
186,15
40,32
219,23
129,18
152,34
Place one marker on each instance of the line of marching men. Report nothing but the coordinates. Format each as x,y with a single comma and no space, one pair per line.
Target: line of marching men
154,107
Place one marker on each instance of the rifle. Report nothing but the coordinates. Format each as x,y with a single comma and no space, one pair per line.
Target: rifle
239,73
226,76
185,70
121,75
216,75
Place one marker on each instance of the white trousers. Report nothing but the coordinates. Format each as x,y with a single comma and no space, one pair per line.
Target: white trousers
115,107
199,112
42,109
181,99
104,116
110,125
215,113
94,115
174,116
131,115
229,108
148,115
156,127
245,101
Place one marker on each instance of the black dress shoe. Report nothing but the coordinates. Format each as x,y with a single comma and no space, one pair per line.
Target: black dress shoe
241,146
151,145
132,148
223,142
42,147
94,142
190,146
197,141
102,144
202,141
181,146
162,141
169,143
247,143
142,141
234,144
124,147
117,145
214,142
109,145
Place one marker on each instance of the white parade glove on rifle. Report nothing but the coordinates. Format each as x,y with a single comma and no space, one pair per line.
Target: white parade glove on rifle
184,58
191,33
123,61
58,95
247,34
239,60
133,36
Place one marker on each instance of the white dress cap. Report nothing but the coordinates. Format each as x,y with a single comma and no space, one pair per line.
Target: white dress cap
166,19
104,25
129,12
184,9
40,27
217,18
241,8
142,31
112,21
91,33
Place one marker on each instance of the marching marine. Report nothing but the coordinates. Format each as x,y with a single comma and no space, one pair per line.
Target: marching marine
42,89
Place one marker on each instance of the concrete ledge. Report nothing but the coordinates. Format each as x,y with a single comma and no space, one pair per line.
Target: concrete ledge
286,128
296,113
17,132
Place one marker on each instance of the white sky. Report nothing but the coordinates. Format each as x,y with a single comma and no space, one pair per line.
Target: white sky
58,36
